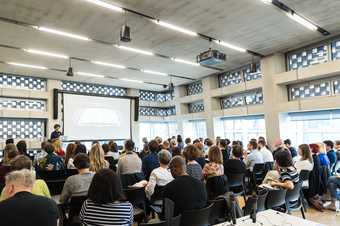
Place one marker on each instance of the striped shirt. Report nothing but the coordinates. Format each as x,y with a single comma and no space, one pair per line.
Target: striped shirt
289,173
120,213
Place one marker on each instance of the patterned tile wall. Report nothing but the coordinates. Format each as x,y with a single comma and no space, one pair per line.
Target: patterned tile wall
81,87
22,82
239,75
146,95
335,46
30,152
307,57
237,100
314,89
18,128
194,88
153,111
24,104
196,107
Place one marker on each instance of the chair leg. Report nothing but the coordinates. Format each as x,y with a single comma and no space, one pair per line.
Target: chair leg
303,213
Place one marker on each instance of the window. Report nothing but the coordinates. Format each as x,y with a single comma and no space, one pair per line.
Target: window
240,128
311,127
195,129
152,129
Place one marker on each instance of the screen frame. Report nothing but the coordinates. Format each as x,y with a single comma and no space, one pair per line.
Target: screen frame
132,112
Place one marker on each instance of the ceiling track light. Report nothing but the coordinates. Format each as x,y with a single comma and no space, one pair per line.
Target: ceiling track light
154,72
62,33
109,64
134,50
230,46
90,74
303,21
131,80
106,5
268,2
175,28
27,65
70,69
44,53
184,61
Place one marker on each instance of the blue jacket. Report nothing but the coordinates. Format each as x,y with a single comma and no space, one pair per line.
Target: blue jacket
149,163
332,156
323,159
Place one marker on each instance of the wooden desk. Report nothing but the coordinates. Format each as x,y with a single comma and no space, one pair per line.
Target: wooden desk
272,218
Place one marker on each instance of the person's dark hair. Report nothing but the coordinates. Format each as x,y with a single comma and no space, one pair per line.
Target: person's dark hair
315,148
21,162
287,142
177,166
283,158
262,142
337,142
105,187
196,141
237,151
95,142
208,142
10,141
22,147
153,146
106,148
49,148
129,145
56,126
81,148
223,143
113,146
187,140
179,139
81,161
306,153
191,153
253,144
176,151
227,141
329,143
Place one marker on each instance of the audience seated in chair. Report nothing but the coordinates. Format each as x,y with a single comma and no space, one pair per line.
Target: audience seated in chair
288,173
78,185
193,168
267,155
255,156
51,161
150,161
331,154
39,186
305,160
215,165
97,160
201,156
288,144
106,203
333,185
69,156
235,165
21,206
185,191
160,176
10,152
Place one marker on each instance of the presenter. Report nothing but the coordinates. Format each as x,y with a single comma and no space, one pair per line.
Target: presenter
56,133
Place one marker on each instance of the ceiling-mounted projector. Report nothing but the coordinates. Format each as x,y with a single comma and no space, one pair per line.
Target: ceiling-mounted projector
211,57
125,35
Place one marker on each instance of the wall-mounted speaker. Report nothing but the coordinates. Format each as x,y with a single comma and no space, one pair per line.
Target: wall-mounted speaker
136,109
55,103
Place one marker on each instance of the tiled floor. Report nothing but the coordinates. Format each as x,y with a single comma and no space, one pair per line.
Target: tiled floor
327,217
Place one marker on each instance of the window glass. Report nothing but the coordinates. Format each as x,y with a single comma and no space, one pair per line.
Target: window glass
153,129
195,129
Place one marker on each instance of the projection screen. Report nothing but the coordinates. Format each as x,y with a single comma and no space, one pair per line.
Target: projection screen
96,118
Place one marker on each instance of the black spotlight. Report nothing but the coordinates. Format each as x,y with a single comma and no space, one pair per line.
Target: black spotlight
253,68
125,35
70,70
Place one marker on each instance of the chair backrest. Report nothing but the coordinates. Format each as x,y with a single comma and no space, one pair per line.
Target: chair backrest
304,175
218,211
135,195
158,193
199,217
216,186
71,172
294,195
76,203
130,179
261,199
54,179
276,198
111,162
248,208
268,166
235,179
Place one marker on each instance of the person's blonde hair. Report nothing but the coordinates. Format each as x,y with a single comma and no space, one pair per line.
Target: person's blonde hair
215,155
97,160
10,151
322,148
56,144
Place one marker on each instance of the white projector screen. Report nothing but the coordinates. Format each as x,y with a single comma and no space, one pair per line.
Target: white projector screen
96,118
